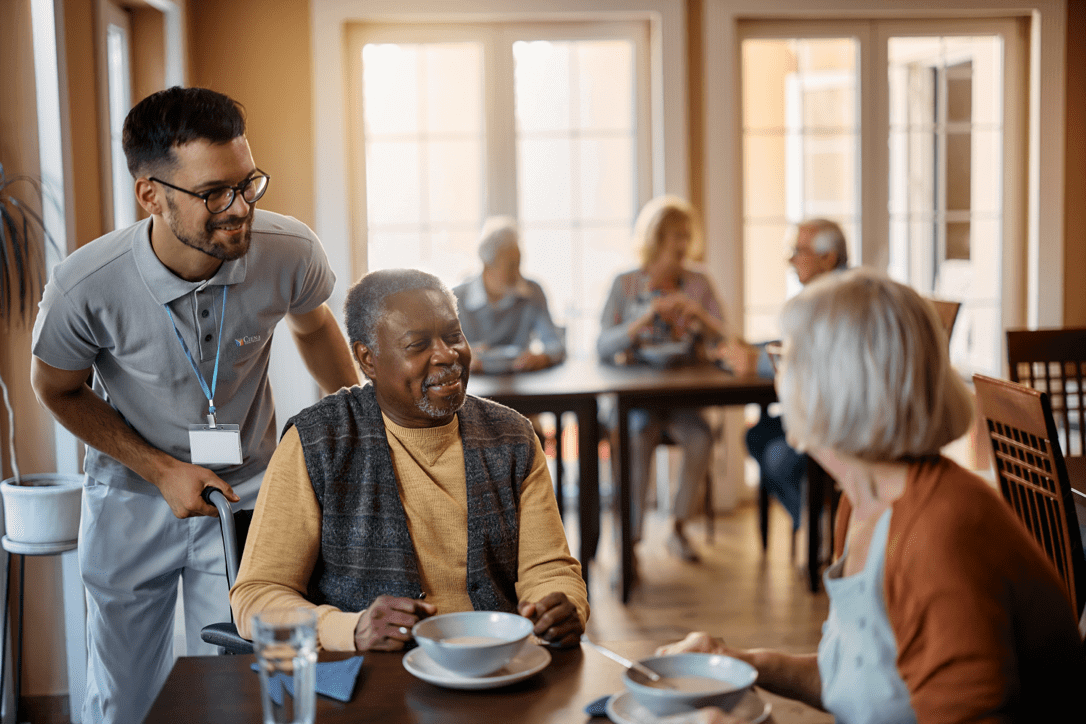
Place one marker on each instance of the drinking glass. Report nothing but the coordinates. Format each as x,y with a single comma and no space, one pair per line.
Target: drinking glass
285,643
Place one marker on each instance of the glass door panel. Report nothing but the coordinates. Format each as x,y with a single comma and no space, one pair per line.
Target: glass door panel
946,182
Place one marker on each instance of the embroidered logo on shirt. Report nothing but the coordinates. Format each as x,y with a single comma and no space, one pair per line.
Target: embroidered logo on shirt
241,342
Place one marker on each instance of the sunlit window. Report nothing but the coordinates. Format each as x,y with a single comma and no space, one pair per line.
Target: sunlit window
507,120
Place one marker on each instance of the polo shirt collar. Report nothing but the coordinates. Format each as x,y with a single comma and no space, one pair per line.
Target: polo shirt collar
475,295
165,286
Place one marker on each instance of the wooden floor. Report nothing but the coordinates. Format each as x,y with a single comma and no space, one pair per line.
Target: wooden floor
748,597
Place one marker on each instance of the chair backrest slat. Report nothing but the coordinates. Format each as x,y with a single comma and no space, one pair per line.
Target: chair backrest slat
1033,475
1054,361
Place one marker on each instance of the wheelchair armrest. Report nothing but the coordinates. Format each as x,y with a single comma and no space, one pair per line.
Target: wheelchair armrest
227,638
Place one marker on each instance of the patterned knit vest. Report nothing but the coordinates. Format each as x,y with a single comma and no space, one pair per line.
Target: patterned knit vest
366,548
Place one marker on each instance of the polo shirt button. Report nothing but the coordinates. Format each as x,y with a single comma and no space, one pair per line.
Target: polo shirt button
205,314
862,622
859,662
207,338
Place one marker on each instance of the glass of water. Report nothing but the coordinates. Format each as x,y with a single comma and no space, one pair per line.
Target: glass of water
285,643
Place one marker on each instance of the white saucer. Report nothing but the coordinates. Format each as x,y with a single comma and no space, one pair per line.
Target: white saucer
531,660
624,709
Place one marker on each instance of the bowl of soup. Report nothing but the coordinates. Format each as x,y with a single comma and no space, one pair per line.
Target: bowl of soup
472,643
690,681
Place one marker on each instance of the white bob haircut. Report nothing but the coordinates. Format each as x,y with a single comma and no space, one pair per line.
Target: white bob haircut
866,371
498,232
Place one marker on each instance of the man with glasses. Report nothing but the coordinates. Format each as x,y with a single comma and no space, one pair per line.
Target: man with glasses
819,248
152,346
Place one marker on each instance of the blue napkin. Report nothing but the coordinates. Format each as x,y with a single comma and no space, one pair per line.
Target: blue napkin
335,679
598,707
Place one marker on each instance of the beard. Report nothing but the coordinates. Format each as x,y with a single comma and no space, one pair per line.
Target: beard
451,404
205,239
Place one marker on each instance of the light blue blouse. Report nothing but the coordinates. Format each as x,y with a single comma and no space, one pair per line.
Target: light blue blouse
857,657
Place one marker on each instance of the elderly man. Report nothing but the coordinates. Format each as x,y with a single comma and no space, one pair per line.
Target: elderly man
500,310
408,489
819,248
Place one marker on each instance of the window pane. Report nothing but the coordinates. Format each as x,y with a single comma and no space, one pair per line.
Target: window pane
606,88
390,78
576,171
946,167
542,85
425,158
393,188
544,179
800,146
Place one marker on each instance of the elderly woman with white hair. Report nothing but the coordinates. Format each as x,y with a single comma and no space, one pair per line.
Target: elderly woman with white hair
942,607
664,303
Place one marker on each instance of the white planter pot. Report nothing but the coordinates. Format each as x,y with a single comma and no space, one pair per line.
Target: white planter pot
43,508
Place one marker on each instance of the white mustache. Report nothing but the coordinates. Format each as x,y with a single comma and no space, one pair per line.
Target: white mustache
455,373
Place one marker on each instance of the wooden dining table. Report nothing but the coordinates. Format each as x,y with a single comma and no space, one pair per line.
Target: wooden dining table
576,385
224,690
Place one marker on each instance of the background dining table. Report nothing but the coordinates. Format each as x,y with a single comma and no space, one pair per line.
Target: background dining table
224,690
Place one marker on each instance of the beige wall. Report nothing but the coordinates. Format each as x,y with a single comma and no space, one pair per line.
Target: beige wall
44,663
1074,205
257,51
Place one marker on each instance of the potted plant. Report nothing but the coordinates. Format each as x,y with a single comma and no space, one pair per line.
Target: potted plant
40,511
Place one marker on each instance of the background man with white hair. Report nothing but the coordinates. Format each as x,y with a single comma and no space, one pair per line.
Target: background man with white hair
819,248
501,312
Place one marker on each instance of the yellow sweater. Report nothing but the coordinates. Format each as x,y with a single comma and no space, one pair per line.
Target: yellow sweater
283,545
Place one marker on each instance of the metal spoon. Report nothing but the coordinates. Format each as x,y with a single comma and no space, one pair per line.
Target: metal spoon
639,668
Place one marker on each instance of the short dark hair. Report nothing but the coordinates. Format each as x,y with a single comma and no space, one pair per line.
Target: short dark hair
174,117
367,300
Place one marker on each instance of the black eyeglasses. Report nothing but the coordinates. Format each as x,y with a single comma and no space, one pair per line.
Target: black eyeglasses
219,199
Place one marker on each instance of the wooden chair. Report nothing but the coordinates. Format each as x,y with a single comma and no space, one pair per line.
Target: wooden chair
1033,476
1054,361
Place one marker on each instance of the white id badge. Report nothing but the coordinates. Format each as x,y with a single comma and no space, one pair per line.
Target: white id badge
215,445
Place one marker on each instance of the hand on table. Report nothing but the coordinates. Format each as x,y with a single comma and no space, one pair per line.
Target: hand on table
556,619
386,624
530,361
708,715
697,642
740,356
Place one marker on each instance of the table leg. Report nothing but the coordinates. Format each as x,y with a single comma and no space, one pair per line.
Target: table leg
816,497
622,489
559,491
588,440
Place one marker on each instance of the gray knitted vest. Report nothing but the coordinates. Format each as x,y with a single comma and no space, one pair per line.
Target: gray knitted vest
366,549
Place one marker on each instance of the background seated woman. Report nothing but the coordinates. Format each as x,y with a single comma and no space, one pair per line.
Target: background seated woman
942,608
661,313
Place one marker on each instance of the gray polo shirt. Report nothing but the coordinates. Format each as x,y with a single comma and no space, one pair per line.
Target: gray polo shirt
103,308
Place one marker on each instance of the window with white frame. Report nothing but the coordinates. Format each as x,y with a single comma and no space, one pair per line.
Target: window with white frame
545,122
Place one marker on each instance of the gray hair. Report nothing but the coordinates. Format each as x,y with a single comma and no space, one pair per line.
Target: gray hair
828,238
498,232
367,300
866,370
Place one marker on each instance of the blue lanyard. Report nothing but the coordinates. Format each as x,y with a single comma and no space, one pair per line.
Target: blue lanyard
208,392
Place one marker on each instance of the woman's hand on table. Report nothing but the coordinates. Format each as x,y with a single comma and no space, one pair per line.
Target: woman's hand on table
386,624
708,715
556,619
741,357
696,642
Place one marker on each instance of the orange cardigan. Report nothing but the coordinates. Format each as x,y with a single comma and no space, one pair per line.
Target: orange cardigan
985,632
